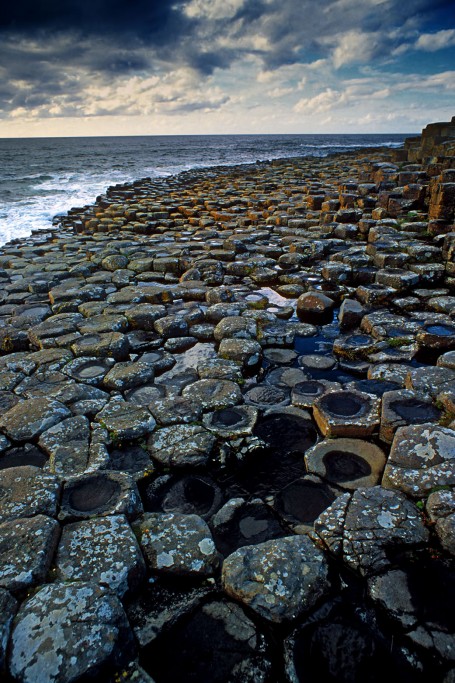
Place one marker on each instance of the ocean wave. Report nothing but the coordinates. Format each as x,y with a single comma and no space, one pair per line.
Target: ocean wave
74,171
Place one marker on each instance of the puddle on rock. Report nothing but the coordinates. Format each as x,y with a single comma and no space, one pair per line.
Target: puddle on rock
343,404
413,410
342,466
131,459
302,501
26,455
250,523
440,330
190,495
286,433
93,493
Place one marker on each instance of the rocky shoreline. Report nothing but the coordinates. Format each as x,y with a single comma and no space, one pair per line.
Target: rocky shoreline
227,428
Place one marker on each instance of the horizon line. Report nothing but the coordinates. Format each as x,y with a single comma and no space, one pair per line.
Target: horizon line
173,135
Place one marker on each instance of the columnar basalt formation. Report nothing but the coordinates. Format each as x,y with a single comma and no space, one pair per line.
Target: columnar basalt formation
227,428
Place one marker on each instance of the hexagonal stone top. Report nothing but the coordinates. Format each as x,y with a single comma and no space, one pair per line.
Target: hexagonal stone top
365,528
103,550
29,419
27,491
421,457
278,579
27,547
66,631
177,544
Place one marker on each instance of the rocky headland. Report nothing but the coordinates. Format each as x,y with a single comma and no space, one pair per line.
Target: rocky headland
227,427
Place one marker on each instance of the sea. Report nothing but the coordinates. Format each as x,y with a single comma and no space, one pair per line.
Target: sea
41,178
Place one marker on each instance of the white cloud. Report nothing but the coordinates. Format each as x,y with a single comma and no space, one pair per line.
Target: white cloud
212,9
279,92
354,46
431,42
320,103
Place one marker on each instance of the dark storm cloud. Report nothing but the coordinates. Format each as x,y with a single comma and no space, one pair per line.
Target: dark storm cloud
139,17
54,48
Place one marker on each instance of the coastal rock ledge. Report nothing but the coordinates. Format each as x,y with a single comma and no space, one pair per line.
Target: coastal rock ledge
227,427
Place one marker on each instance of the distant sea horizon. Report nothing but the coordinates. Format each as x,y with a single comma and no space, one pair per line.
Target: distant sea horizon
44,177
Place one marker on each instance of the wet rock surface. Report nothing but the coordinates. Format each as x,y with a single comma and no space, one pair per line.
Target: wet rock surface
228,362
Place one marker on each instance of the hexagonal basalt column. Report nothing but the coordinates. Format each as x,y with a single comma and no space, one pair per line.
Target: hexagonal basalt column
354,346
305,393
100,494
192,494
347,413
302,501
348,463
232,421
437,337
400,408
421,458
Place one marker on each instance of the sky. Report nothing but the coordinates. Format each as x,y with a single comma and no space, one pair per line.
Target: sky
165,67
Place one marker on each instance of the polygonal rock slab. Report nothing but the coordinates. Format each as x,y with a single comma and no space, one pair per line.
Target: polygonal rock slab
232,421
30,418
101,493
235,327
430,380
177,544
128,375
246,352
401,408
105,344
437,336
354,346
88,369
315,307
347,413
67,632
368,527
181,446
53,327
161,604
302,501
421,457
175,410
27,491
240,522
67,445
267,396
125,420
103,550
278,579
348,463
26,550
211,394
305,393
190,494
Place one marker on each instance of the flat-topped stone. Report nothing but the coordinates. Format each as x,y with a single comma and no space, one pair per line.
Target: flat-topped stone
103,550
177,544
347,463
27,546
27,491
279,579
366,528
66,631
421,457
28,419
